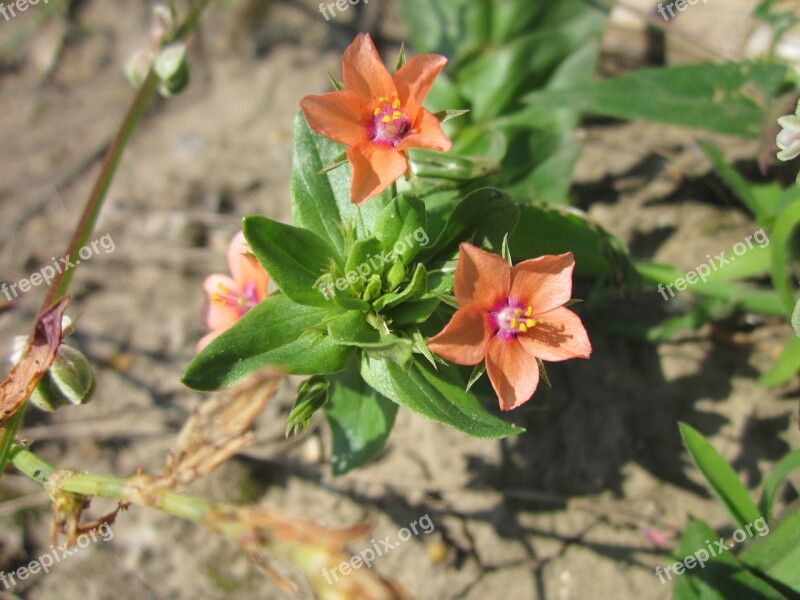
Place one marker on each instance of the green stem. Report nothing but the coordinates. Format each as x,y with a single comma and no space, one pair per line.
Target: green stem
109,168
106,486
98,195
93,205
9,434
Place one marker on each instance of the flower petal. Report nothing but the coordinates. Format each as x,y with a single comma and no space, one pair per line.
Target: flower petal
560,337
481,278
543,283
415,78
464,338
245,268
364,73
375,167
513,372
426,134
218,315
342,116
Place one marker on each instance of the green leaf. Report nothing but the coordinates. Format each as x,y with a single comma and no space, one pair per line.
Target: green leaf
294,258
360,420
733,179
414,312
495,81
401,227
781,254
786,366
550,230
276,332
720,577
353,329
321,203
776,556
720,477
729,99
429,394
780,470
746,297
483,218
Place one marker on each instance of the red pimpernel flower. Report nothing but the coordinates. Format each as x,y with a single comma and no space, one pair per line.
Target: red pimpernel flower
509,317
378,116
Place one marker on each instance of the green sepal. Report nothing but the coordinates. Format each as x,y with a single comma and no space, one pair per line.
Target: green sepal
415,289
373,289
358,262
395,275
312,395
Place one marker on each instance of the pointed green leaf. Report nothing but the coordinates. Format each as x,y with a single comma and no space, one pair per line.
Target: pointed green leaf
719,577
360,420
321,203
294,258
276,332
483,218
720,477
775,554
429,394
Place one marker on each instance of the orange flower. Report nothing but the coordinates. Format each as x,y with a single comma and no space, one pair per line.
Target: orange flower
378,115
511,316
231,297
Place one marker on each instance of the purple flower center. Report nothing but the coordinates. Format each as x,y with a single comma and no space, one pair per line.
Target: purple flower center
510,319
389,124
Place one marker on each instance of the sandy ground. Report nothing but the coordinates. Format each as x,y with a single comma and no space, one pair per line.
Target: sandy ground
562,512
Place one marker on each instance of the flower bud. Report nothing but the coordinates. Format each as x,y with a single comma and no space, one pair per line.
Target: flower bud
172,69
311,396
69,381
395,275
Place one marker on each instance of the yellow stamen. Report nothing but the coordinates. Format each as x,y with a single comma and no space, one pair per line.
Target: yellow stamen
517,312
377,111
387,119
513,323
396,103
522,328
531,323
383,100
396,115
529,312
